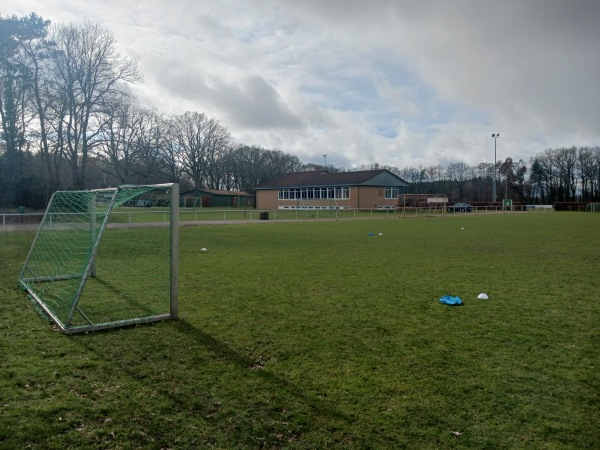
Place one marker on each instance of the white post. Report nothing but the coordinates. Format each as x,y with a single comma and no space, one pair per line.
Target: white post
92,205
174,238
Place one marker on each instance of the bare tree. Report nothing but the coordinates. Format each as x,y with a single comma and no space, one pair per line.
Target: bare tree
514,176
589,170
555,173
152,145
90,73
459,174
595,171
217,141
413,175
246,164
172,158
200,140
117,140
566,159
434,174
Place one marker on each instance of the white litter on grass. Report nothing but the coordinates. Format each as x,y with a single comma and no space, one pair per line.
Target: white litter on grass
483,296
380,234
203,249
462,228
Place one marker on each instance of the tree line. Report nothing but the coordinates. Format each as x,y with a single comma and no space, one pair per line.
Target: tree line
70,121
554,175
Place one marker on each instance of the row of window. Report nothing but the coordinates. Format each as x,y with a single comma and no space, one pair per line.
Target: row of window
334,193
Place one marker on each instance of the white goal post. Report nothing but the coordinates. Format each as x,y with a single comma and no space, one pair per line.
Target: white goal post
428,204
106,258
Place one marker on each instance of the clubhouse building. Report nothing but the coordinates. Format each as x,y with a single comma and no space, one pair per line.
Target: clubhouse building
321,189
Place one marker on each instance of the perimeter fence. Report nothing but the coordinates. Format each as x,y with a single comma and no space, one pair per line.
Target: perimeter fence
191,216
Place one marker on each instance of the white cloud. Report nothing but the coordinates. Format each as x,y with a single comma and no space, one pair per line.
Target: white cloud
398,83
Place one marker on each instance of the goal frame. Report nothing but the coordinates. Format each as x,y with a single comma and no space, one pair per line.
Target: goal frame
26,283
433,202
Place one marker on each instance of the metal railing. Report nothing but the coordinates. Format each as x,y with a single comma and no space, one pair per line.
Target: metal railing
31,221
20,221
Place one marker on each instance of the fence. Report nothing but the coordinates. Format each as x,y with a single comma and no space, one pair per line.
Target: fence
21,221
31,221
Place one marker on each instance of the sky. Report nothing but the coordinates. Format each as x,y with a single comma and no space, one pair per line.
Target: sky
403,83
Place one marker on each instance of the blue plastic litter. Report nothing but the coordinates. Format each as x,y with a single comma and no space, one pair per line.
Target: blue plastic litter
449,300
371,234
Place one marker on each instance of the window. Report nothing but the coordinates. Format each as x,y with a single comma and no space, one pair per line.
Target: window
333,193
392,192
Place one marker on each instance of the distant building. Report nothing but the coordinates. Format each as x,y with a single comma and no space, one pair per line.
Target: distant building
211,197
321,189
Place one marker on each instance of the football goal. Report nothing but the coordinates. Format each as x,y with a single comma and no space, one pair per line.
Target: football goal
424,204
106,258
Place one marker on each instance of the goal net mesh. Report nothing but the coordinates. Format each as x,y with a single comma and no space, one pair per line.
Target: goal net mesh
101,258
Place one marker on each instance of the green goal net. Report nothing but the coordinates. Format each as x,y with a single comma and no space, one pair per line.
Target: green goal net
106,258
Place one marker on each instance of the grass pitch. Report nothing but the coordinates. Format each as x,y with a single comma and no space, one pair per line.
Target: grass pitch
317,335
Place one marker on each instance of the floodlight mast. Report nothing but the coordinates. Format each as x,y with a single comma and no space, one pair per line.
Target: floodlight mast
495,136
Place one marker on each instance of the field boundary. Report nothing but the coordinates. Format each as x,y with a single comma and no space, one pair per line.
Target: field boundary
15,222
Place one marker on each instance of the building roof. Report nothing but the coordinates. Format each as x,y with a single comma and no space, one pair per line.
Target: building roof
217,192
314,178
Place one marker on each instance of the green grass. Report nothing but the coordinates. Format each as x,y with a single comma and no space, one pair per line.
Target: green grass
316,335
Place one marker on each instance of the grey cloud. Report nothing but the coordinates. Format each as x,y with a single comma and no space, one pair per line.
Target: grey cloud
250,102
254,103
515,61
